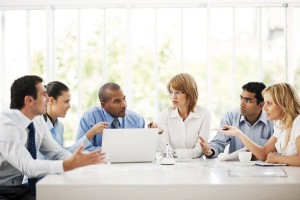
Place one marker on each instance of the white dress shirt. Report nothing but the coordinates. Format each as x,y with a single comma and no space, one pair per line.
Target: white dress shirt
15,160
279,133
181,135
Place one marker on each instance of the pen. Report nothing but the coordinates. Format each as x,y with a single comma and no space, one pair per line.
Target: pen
218,129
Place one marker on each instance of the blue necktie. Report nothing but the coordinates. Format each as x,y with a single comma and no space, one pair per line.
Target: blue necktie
115,123
32,150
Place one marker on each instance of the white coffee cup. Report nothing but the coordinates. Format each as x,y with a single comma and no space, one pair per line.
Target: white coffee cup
245,157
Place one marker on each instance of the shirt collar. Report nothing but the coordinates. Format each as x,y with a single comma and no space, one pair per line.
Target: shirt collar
49,123
110,118
23,120
175,114
263,118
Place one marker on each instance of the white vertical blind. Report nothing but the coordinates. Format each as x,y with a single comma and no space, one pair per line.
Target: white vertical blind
208,59
156,70
289,29
28,42
128,66
2,58
50,45
79,61
234,57
104,52
260,43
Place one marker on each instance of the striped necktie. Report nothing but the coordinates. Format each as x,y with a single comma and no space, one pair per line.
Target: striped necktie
32,150
115,124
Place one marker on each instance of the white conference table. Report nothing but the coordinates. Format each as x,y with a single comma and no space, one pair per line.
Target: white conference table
199,179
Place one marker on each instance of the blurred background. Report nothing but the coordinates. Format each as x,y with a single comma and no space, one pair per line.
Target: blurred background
142,44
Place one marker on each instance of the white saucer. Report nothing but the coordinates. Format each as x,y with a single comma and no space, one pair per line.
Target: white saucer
167,161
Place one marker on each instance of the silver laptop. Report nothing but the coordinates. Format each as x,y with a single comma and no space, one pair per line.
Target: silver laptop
130,145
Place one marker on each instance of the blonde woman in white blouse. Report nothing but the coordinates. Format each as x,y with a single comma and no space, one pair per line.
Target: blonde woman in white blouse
282,104
183,122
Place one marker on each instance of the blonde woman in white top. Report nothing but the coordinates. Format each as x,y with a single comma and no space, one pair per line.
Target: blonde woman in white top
282,105
183,122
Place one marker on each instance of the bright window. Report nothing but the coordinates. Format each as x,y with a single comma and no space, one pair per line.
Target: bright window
141,48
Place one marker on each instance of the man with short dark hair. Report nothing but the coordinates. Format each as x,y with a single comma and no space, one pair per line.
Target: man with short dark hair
113,110
250,118
23,132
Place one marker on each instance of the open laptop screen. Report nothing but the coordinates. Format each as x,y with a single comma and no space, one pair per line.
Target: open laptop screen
130,145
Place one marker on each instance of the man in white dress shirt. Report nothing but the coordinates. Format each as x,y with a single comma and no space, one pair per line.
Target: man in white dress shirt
28,103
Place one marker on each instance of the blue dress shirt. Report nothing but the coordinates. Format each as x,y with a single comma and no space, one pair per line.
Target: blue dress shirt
97,114
57,132
259,132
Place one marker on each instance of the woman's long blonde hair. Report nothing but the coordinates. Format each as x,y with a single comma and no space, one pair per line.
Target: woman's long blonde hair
287,99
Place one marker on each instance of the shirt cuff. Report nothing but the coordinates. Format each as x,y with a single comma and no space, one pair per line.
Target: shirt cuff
213,153
85,141
56,167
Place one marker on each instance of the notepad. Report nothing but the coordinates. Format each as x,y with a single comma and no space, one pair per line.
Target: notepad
256,172
233,156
